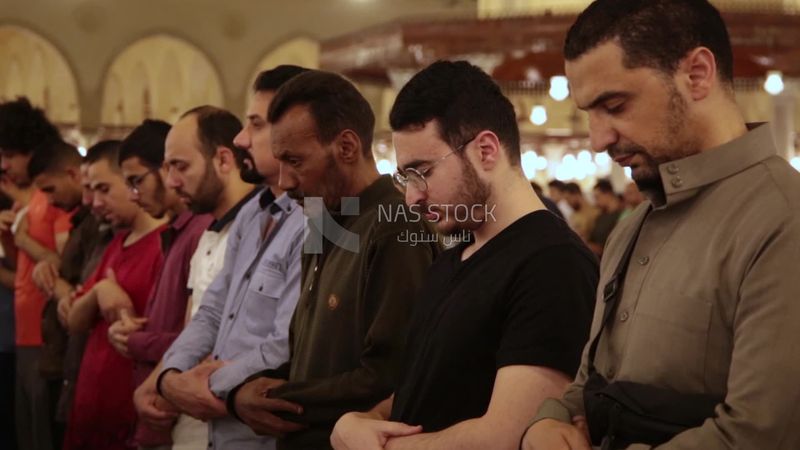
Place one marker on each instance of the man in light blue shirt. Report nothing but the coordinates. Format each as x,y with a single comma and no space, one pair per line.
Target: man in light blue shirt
242,324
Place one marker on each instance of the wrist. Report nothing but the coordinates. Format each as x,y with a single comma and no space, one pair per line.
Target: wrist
163,380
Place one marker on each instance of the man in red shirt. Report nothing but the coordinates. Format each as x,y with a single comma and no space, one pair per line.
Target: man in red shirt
41,233
102,412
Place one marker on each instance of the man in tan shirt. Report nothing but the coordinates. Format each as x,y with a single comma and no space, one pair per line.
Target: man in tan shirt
710,302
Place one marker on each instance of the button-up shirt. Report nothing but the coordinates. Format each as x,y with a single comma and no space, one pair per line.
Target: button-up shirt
244,314
209,257
711,298
166,308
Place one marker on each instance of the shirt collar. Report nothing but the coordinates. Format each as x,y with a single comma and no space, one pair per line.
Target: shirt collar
684,178
282,203
369,198
181,220
218,225
374,194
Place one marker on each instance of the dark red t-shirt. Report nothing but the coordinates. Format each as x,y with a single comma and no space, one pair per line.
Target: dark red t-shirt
103,416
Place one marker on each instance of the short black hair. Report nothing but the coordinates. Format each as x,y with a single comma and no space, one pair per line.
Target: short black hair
557,184
653,33
273,79
572,188
104,150
217,127
54,157
334,103
604,186
146,142
23,127
463,100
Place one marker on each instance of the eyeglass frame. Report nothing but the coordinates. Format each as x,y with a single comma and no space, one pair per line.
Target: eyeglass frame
133,183
398,176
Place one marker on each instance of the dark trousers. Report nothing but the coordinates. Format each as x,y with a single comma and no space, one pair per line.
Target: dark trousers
35,409
8,430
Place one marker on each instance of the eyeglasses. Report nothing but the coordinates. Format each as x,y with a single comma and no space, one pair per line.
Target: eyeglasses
135,182
416,177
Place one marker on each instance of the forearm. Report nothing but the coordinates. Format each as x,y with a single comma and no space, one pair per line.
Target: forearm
194,343
83,313
35,250
62,289
470,434
150,346
383,409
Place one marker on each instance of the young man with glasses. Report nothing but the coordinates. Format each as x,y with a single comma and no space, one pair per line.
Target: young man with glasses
141,158
501,319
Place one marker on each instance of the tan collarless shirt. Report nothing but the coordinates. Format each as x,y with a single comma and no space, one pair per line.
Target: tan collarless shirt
711,299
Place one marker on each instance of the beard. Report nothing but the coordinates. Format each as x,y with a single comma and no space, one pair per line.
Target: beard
248,172
472,192
208,193
332,185
675,143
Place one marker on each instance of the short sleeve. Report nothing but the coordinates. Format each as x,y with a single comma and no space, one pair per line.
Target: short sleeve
549,310
62,221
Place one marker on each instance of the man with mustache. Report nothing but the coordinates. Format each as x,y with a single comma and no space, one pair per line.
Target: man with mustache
348,333
501,319
694,342
242,322
142,163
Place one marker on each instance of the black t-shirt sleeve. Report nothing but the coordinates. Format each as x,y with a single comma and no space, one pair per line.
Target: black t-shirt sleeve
549,310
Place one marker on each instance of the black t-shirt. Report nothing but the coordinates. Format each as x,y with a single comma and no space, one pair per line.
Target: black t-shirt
525,298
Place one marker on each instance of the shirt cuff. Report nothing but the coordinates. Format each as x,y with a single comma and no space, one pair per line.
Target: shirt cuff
552,409
161,377
230,401
137,346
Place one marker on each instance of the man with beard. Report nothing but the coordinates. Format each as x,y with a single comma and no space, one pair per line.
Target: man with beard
205,169
501,319
348,333
141,158
700,328
242,323
57,173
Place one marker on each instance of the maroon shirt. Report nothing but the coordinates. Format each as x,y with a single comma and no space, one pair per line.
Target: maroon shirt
166,307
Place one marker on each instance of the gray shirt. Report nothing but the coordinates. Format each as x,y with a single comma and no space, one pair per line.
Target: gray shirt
244,314
711,299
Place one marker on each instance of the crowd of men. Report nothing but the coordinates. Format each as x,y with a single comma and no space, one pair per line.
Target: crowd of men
209,284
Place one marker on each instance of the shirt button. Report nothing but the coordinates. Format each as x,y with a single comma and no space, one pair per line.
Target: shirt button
643,260
672,169
677,182
315,268
216,356
624,316
208,253
230,316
